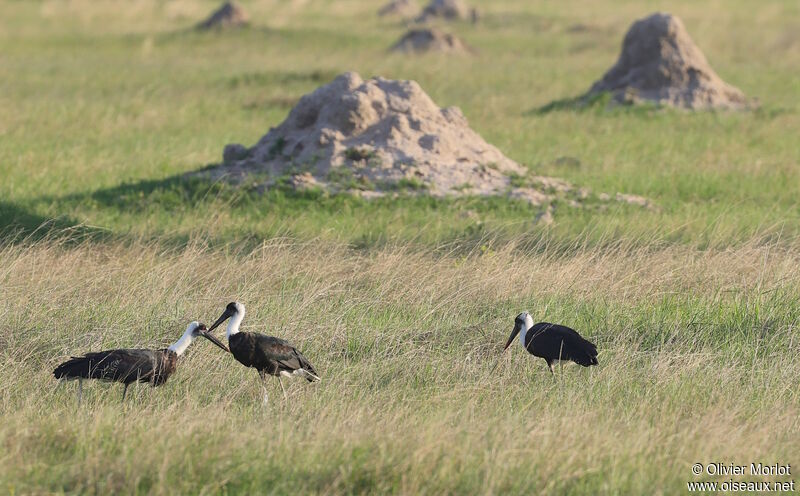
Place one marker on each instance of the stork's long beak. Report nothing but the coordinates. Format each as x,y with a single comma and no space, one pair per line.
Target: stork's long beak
222,318
207,335
514,333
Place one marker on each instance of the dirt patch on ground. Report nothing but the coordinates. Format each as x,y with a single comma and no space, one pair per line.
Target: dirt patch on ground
229,15
424,40
660,63
400,8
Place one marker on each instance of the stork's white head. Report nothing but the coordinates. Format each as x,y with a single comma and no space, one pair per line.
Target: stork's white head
239,307
522,323
234,311
193,330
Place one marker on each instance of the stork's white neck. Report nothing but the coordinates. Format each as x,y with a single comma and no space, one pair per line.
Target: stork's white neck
180,345
525,327
234,323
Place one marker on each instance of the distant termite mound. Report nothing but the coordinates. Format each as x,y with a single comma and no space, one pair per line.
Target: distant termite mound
660,63
424,40
400,8
229,15
448,10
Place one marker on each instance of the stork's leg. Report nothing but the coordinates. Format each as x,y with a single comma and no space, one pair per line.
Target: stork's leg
263,386
124,392
285,398
552,367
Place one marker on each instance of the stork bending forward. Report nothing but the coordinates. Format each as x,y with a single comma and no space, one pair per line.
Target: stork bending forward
132,365
552,342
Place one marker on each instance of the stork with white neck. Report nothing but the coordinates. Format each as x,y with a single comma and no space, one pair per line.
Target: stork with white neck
552,342
268,355
132,365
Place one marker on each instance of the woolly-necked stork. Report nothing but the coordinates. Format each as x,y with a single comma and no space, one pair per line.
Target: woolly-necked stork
132,365
552,342
267,354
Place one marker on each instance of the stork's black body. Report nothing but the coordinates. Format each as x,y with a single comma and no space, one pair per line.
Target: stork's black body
127,366
554,342
267,354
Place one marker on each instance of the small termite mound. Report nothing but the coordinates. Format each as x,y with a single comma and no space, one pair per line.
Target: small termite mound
450,10
423,40
229,15
405,9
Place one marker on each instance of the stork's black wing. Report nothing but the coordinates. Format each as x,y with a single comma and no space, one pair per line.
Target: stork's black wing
125,366
268,354
285,356
557,342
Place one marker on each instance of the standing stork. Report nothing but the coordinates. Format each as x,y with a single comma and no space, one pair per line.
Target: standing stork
552,342
132,365
267,354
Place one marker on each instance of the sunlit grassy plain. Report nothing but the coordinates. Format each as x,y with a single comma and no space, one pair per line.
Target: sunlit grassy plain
402,305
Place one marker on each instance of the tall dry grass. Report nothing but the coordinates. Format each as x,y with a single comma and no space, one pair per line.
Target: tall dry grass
698,364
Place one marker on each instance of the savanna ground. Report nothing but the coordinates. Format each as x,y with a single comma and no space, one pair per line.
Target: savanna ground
402,305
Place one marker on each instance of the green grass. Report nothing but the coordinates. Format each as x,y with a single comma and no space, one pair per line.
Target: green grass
401,303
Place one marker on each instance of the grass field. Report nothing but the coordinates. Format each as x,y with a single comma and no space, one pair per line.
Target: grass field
402,305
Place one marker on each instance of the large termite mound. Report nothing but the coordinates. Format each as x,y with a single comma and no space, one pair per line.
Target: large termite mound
424,40
377,135
229,15
660,63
